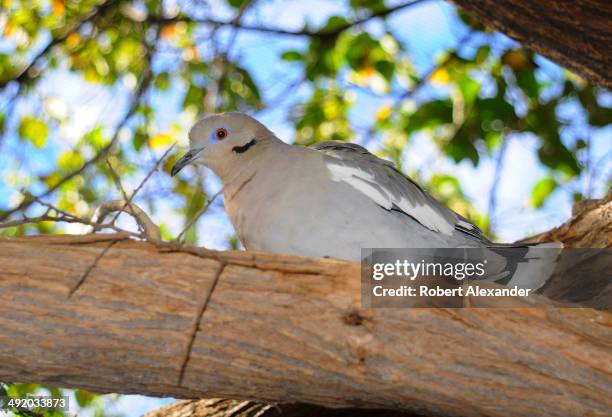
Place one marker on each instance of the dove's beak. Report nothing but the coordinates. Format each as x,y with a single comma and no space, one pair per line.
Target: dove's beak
185,160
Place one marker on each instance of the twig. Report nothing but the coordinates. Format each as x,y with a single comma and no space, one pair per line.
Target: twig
24,73
151,171
422,81
492,206
142,87
220,63
65,219
151,230
119,185
117,180
129,200
199,214
281,31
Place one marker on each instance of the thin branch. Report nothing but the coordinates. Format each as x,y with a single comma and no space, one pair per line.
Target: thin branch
199,214
128,200
499,162
116,180
212,100
151,230
447,60
151,171
133,106
423,80
24,74
281,31
62,216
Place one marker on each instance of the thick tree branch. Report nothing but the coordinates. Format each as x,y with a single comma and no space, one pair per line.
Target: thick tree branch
105,313
235,408
574,33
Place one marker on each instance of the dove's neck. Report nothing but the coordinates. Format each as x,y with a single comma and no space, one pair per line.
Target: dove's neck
263,156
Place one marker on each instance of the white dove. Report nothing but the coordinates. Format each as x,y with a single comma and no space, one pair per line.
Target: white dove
329,200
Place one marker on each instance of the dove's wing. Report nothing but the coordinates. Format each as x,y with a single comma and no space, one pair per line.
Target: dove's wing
389,188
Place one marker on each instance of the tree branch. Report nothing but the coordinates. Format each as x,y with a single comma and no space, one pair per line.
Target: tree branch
24,74
236,408
150,229
141,88
574,33
280,31
282,329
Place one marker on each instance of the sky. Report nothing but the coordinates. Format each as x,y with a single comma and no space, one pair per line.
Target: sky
427,29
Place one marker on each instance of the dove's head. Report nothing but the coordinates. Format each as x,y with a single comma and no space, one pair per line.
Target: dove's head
222,141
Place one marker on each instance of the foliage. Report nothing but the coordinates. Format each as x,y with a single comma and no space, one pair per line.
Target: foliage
148,54
86,402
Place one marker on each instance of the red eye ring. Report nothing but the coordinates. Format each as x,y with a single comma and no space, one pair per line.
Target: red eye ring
221,133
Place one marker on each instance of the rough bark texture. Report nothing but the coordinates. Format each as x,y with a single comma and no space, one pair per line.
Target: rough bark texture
236,408
575,33
589,227
109,314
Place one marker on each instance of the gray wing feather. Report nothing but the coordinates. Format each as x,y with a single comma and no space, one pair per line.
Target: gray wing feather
389,188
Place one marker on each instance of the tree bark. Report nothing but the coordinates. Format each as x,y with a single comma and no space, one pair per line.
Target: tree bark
109,314
235,408
575,33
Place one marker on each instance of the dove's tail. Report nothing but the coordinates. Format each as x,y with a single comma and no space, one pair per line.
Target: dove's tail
529,268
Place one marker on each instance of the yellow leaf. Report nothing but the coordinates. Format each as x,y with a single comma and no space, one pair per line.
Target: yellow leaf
70,160
439,77
9,28
517,60
168,31
73,39
383,113
58,7
367,71
160,140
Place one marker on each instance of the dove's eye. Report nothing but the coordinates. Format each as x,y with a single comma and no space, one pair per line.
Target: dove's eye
221,133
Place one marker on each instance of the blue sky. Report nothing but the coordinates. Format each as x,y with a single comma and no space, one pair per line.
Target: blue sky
427,29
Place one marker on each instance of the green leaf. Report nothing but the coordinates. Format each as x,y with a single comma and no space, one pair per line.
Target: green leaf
429,115
385,68
165,232
527,82
139,138
235,3
292,56
495,108
333,24
469,89
95,138
541,190
373,5
34,130
84,398
70,160
600,116
162,81
482,54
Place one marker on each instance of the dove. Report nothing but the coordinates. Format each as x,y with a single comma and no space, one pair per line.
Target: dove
328,200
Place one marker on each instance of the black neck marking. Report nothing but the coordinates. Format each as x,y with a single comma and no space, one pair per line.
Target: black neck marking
245,147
